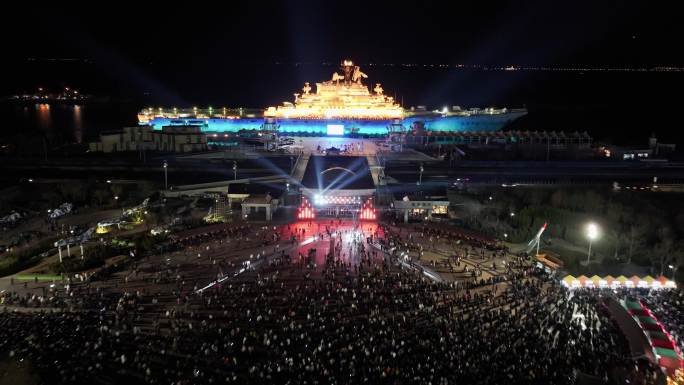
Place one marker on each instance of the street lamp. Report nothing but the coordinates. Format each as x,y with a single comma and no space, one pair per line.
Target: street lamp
166,175
673,271
234,170
592,233
420,179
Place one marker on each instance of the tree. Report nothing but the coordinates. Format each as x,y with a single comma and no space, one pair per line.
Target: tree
663,249
145,189
617,236
559,199
592,202
677,257
117,190
52,197
635,239
101,195
72,191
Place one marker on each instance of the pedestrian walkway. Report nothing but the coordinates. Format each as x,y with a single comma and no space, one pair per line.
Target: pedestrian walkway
300,168
378,175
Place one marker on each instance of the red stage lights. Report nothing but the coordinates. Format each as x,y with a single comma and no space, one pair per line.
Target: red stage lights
305,210
368,212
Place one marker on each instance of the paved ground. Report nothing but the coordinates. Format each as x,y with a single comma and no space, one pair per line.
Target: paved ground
199,265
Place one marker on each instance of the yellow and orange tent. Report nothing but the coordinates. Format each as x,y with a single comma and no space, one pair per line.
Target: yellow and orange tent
569,279
582,279
595,280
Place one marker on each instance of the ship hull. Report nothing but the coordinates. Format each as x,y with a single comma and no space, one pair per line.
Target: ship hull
321,127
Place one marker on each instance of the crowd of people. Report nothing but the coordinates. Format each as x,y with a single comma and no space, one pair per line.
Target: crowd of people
668,307
359,317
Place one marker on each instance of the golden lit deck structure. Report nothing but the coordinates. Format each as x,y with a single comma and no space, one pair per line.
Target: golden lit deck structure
342,97
340,106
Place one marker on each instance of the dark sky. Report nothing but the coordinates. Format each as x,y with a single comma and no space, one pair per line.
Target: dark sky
188,53
189,34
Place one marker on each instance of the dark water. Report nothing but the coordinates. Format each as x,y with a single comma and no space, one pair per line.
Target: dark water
625,107
66,123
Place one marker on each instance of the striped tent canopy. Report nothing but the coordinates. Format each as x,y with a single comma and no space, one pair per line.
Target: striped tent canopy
569,279
652,327
665,344
595,279
663,352
657,335
582,279
647,320
670,364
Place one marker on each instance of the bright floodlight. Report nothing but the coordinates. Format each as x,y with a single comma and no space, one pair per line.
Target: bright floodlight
335,129
592,231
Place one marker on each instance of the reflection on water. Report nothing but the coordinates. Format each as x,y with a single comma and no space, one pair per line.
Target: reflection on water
65,123
44,121
78,124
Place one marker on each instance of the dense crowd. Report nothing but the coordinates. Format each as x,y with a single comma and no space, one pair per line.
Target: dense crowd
370,321
668,307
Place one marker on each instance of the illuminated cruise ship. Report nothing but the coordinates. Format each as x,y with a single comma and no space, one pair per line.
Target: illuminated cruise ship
342,105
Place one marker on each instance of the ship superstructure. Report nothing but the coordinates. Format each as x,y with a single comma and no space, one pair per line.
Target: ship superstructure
340,106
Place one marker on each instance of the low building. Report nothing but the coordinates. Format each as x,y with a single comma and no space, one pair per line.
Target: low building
552,139
655,149
255,206
168,139
421,205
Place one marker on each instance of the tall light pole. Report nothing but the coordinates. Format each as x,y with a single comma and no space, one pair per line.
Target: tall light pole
234,170
673,271
592,233
166,175
420,178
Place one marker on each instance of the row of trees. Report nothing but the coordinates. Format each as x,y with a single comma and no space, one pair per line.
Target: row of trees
100,194
645,228
81,193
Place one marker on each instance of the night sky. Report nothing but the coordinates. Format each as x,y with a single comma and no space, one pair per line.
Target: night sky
256,54
538,33
197,36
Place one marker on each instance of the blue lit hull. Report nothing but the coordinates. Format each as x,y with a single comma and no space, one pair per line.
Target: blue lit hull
311,127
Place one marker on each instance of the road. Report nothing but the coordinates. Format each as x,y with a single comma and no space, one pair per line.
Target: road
538,172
